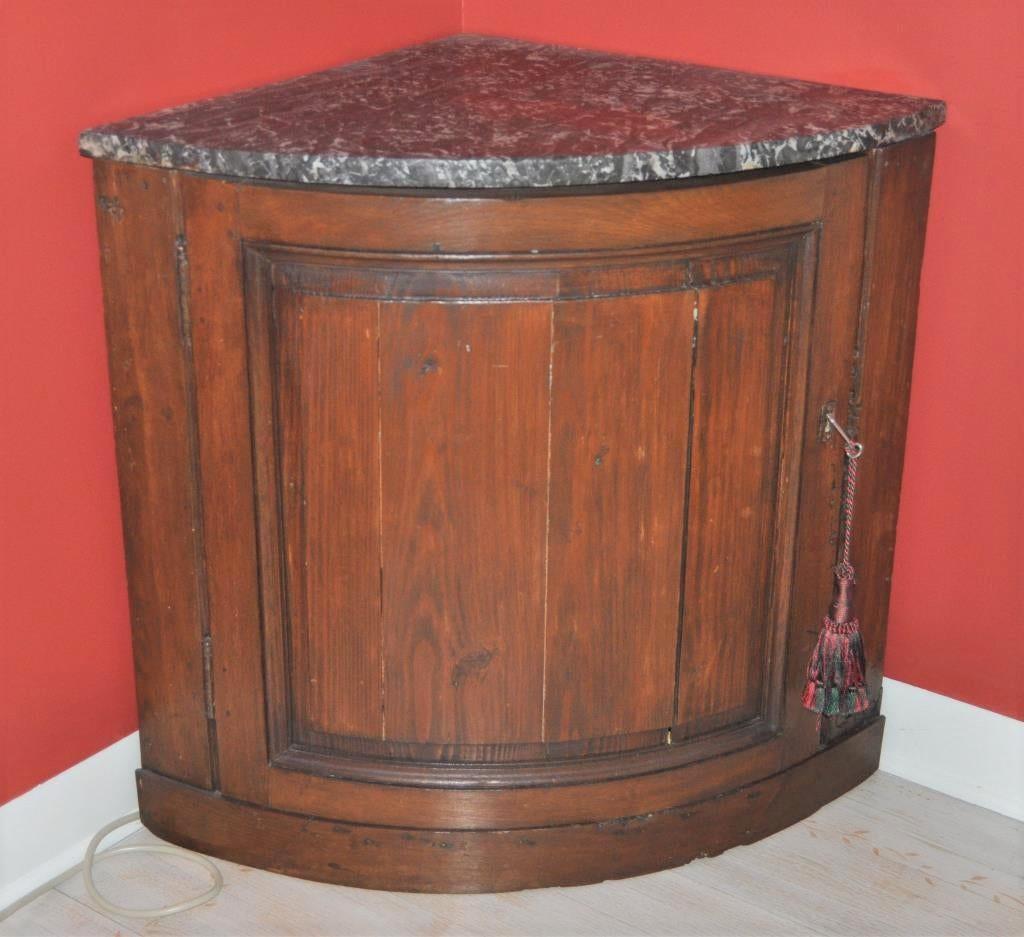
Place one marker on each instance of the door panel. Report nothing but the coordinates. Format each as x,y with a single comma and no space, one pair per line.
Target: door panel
320,379
619,425
739,381
505,529
464,440
327,417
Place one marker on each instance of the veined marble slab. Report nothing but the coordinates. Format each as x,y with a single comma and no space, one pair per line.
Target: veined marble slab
485,112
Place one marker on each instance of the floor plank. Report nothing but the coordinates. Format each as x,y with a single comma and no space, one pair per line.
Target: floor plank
54,913
656,904
956,865
941,822
889,858
252,902
543,911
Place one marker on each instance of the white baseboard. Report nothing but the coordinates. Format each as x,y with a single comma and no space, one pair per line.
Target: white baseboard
953,747
44,832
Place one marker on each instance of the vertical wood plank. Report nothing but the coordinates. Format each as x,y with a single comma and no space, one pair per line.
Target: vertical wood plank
620,413
326,375
217,301
739,386
150,379
832,343
894,250
464,394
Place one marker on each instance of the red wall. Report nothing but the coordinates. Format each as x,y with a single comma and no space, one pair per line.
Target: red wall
956,625
66,687
65,669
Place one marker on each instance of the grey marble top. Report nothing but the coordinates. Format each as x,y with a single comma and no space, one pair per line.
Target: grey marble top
483,112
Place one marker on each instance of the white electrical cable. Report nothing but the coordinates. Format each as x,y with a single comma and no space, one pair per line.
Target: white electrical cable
91,857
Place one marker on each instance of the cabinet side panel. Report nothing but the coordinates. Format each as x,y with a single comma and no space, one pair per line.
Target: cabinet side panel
150,379
739,384
619,424
895,246
464,435
327,412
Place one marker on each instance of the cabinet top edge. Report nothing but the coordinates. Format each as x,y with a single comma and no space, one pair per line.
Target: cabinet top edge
482,112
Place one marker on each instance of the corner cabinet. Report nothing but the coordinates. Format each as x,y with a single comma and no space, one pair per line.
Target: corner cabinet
478,540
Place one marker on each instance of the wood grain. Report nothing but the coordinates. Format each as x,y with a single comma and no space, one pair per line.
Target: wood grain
739,388
561,795
217,303
463,861
325,377
150,362
834,280
464,223
898,211
464,455
619,425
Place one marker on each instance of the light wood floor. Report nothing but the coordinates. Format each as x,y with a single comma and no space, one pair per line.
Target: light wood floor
889,858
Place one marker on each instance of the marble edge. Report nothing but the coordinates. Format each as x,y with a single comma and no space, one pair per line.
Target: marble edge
510,172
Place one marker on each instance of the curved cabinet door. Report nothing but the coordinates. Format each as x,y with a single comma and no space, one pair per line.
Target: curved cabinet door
498,526
504,494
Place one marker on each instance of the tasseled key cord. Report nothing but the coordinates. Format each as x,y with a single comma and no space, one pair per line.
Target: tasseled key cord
836,671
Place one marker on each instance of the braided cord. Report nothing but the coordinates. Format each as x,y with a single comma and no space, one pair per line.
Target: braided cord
845,568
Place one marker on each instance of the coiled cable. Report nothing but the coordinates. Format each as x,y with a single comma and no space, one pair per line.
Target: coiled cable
92,857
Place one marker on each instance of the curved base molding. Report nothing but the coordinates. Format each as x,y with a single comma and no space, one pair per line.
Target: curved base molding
502,860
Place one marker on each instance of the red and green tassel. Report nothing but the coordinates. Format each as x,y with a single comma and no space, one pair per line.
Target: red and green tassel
836,672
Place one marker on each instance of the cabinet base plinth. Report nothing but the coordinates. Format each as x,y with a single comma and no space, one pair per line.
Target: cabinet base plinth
502,860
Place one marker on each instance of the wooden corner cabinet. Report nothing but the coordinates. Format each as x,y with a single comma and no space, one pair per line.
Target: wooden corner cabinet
477,515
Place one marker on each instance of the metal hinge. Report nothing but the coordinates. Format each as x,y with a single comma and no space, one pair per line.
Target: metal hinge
181,253
208,675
